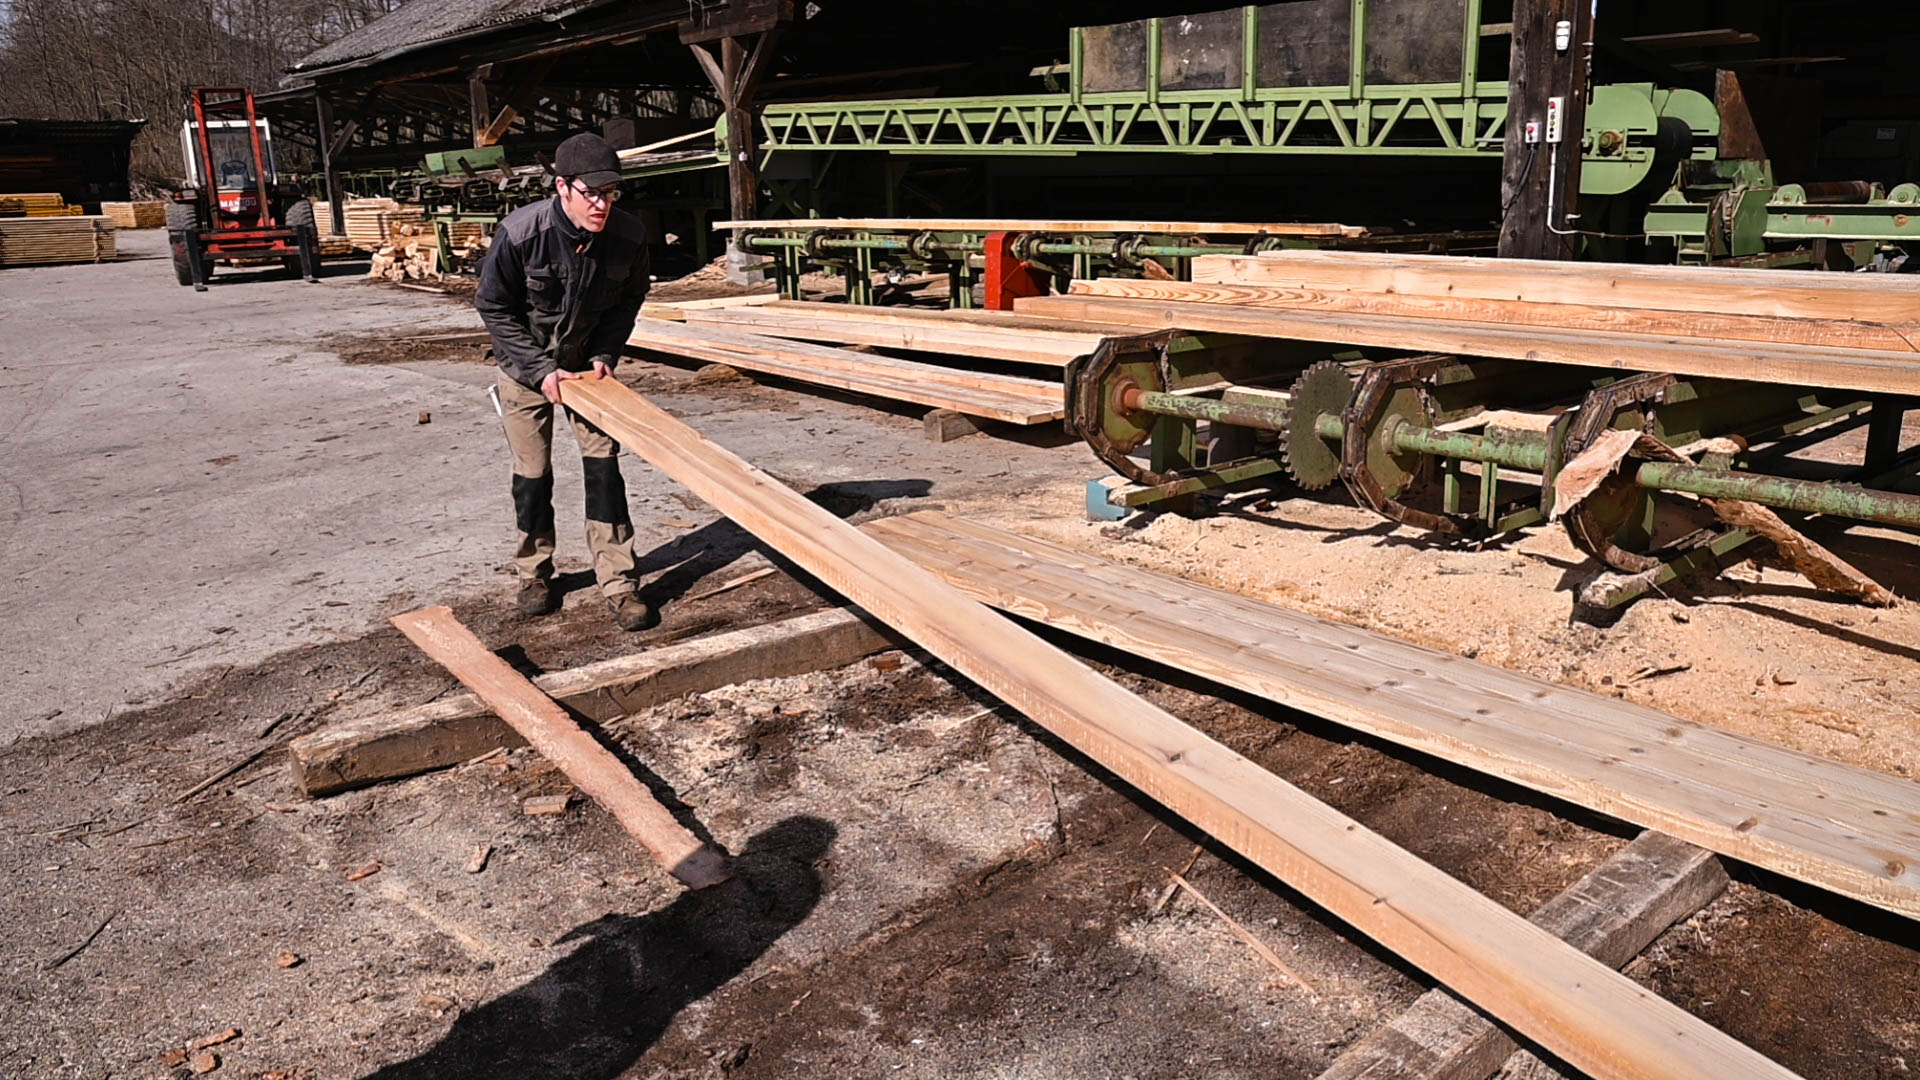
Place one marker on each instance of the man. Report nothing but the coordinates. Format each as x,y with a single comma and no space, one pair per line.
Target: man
559,291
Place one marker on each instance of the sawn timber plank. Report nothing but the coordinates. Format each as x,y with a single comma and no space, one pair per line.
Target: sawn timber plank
995,397
1847,830
1176,228
920,336
1833,333
1579,1009
1870,370
547,728
1881,298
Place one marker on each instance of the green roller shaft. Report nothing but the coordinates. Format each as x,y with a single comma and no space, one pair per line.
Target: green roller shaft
1527,451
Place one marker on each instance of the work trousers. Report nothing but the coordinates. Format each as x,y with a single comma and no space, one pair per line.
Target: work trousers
528,418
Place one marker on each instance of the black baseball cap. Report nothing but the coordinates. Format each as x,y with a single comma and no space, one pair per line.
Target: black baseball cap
589,159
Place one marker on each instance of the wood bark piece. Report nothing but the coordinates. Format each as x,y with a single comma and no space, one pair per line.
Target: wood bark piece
1797,294
546,726
1610,914
1848,830
1176,228
1836,333
1582,1011
458,728
1872,370
995,397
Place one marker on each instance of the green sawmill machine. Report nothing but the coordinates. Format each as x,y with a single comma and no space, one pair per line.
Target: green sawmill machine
1341,80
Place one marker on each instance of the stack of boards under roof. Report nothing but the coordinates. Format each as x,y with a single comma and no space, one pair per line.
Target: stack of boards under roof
35,204
145,214
37,241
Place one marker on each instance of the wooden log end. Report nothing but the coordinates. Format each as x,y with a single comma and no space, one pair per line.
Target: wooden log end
705,868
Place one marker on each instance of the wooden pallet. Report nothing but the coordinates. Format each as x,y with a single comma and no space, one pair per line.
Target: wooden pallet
1006,398
1850,831
47,240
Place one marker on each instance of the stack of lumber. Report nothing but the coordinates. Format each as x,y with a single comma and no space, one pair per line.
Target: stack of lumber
145,214
371,222
38,241
35,204
1007,398
331,244
1590,1016
993,335
1846,331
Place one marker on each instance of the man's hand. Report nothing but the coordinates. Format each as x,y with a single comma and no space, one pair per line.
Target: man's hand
550,386
601,369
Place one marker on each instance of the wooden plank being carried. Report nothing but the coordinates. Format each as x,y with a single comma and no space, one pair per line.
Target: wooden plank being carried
1847,830
460,727
1870,370
917,334
1833,333
676,310
593,768
1611,914
1576,1007
982,225
996,397
1798,294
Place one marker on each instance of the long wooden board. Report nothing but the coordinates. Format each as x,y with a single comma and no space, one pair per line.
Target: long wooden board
1832,333
458,727
917,335
918,316
1847,830
996,397
1176,228
1883,298
1869,370
546,726
1610,914
1578,1008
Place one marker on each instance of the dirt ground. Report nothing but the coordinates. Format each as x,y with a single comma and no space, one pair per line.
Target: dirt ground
928,885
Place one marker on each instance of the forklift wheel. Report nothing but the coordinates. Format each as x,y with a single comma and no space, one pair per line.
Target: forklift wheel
182,270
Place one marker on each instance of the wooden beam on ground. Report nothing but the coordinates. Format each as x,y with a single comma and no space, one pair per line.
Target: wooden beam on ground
1610,914
1173,228
1831,333
954,339
1847,830
1574,1006
945,425
1888,299
1871,370
995,397
460,727
547,728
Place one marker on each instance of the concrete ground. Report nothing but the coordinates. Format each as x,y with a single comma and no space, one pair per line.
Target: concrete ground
196,480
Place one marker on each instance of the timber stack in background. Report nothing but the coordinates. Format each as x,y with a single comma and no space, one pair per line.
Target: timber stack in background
38,241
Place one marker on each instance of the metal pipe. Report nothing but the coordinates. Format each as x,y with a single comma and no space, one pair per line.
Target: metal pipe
1261,417
1807,496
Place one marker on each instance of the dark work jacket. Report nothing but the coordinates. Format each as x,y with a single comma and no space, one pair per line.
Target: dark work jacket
556,296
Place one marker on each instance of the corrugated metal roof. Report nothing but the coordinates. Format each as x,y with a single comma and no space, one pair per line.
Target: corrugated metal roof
422,22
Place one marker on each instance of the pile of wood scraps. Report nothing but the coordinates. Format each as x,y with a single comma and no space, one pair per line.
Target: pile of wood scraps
37,241
145,214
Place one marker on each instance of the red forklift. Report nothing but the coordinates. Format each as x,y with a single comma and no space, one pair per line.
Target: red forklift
236,209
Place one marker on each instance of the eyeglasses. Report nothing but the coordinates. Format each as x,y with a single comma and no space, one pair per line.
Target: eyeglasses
608,195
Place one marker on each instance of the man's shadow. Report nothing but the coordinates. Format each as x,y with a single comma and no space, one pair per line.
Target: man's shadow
591,1015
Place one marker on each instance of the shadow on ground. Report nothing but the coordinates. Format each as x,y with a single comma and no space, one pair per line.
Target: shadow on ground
593,1014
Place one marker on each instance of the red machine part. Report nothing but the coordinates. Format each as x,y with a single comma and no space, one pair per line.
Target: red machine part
1008,276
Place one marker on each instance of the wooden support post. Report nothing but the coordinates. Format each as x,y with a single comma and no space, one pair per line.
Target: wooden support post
454,729
1577,1008
479,111
736,76
593,768
1540,181
1611,914
336,203
946,425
